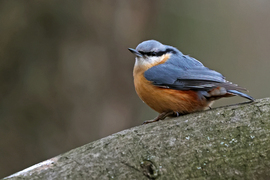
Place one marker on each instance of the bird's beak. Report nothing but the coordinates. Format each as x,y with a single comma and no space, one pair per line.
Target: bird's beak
134,51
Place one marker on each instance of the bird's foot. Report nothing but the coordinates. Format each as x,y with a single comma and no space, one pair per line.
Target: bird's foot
162,116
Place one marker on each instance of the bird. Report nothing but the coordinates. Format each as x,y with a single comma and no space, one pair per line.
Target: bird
175,84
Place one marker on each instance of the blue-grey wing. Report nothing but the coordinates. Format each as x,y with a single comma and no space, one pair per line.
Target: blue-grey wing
187,74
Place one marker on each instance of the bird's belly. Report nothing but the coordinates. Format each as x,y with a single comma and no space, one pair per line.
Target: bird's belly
166,100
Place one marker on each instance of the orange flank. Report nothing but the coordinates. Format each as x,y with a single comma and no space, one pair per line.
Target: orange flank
167,100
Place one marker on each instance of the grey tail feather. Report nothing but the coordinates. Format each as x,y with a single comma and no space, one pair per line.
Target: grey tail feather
230,86
235,92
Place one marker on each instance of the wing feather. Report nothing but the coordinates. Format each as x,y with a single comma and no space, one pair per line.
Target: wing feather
187,73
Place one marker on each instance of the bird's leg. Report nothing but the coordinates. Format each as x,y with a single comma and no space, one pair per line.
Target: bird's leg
162,116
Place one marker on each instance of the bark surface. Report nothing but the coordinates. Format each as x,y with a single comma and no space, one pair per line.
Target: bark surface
224,143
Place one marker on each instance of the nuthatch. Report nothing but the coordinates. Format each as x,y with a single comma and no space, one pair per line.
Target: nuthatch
174,84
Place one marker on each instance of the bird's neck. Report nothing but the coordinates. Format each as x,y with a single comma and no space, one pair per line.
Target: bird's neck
141,65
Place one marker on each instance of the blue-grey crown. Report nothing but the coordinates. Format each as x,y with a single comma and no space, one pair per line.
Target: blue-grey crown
155,48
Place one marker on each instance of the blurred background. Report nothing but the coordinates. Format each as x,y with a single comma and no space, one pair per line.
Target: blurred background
66,74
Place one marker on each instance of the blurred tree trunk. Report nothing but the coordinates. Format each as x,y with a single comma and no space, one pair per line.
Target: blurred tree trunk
62,62
224,143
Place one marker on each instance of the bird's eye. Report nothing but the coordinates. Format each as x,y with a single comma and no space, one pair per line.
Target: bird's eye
153,53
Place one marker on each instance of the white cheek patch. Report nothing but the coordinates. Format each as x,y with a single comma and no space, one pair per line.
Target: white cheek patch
147,61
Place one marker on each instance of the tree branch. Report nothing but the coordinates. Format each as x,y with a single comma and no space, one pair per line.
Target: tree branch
224,143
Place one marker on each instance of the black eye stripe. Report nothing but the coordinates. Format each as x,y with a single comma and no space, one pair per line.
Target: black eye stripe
160,53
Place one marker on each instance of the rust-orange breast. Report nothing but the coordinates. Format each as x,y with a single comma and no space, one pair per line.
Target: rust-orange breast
164,99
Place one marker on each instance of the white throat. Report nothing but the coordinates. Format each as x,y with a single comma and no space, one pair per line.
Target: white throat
148,60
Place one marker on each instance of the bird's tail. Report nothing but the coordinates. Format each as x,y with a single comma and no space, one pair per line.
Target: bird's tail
235,92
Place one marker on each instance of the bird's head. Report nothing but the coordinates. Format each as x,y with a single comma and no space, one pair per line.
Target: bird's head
151,52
